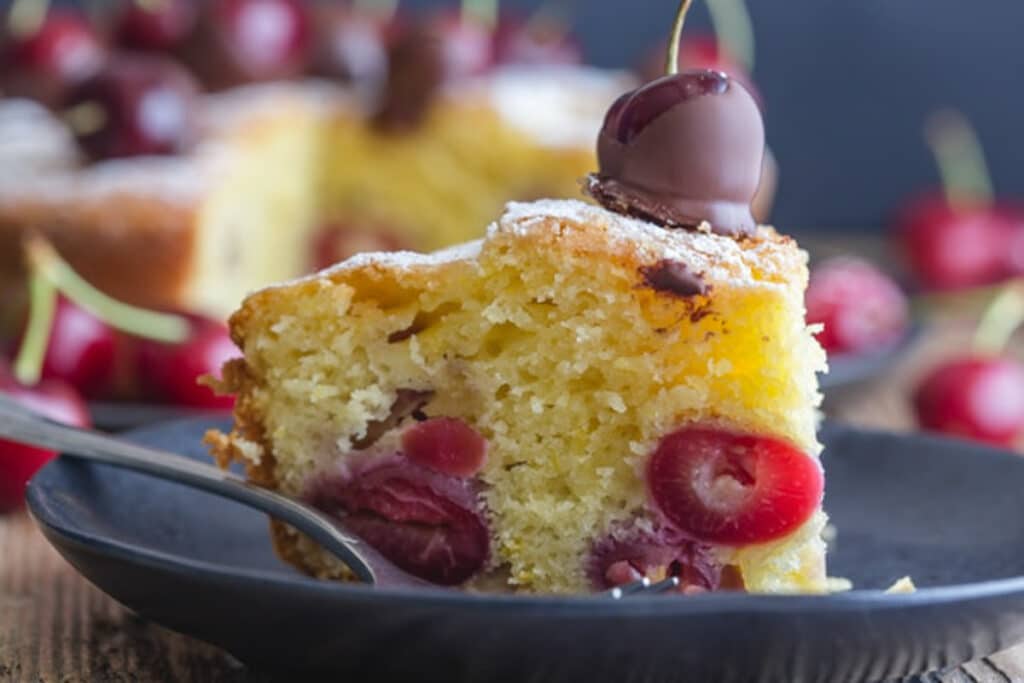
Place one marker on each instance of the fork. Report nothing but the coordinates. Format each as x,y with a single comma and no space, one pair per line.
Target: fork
22,425
643,587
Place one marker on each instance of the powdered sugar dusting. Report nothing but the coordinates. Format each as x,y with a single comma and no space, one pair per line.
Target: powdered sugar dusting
717,257
766,259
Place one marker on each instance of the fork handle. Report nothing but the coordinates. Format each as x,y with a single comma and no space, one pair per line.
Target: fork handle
18,424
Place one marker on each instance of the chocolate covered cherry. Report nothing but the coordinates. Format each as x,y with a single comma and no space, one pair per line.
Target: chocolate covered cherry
683,150
137,105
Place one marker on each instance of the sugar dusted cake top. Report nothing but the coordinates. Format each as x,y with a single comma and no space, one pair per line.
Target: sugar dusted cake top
765,258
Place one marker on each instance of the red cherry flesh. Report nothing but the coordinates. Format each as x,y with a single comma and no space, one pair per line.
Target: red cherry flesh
426,523
733,489
446,445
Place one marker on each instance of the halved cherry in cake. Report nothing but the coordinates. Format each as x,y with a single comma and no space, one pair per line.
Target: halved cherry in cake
626,556
426,523
733,489
446,445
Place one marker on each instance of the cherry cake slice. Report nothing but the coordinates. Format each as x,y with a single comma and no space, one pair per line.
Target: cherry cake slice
578,400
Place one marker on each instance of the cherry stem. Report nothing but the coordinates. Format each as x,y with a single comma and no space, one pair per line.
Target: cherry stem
42,296
734,30
383,10
960,158
483,12
26,16
44,261
672,55
1001,319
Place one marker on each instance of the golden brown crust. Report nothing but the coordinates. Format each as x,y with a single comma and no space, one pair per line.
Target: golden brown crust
135,249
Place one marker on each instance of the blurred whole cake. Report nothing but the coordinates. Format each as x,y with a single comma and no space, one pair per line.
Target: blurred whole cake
587,396
172,193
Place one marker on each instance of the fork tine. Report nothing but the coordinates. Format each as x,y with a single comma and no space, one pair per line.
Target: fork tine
629,588
643,586
663,586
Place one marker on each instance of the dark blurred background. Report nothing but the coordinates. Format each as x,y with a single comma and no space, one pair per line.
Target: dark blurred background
847,85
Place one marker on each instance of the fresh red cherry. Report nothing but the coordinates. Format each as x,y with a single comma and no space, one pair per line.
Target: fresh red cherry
535,41
18,462
137,105
734,489
350,46
170,373
426,523
62,51
950,247
155,26
979,398
861,307
81,351
446,445
240,41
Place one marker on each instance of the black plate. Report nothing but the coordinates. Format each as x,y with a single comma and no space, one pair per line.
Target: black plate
948,513
116,416
846,370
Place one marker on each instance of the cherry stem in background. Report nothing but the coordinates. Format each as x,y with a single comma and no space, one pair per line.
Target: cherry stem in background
28,366
44,261
734,30
383,10
484,12
1002,317
26,16
961,161
672,55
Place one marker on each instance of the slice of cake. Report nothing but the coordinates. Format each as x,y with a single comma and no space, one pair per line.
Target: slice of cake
587,396
577,399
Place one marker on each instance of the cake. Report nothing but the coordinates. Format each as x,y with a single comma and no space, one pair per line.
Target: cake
515,133
198,231
191,232
574,342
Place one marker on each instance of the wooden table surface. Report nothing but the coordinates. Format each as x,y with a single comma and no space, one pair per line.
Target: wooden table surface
57,628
